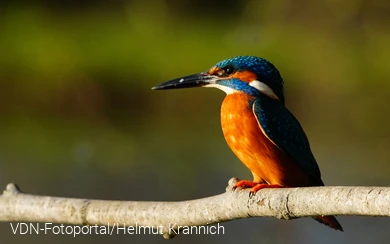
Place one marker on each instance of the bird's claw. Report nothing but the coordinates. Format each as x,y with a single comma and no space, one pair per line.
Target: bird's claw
255,187
244,184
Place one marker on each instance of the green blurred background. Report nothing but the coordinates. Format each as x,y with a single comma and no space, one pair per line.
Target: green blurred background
78,117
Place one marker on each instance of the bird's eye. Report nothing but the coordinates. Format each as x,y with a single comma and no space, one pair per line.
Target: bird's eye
225,71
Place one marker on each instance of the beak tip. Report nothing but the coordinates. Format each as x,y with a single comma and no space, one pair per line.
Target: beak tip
159,87
196,80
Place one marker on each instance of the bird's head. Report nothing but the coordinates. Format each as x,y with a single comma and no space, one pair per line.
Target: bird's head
247,74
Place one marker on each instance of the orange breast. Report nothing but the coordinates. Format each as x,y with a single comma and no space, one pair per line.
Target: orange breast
244,136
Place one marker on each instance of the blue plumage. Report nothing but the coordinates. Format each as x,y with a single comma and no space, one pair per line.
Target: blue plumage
284,130
240,86
265,71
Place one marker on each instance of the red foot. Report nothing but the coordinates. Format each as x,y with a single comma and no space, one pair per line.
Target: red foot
262,186
245,184
254,185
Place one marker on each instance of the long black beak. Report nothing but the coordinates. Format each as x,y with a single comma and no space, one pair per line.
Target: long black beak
195,80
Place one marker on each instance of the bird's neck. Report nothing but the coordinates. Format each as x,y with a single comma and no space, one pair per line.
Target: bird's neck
236,102
239,105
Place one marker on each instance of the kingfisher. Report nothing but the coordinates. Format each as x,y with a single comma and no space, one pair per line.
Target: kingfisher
258,127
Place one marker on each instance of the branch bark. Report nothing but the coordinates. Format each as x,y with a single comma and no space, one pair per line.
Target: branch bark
285,203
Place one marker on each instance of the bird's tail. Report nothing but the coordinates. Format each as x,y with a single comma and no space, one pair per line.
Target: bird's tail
330,221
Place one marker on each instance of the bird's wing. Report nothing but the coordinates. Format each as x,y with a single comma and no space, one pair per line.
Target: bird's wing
283,129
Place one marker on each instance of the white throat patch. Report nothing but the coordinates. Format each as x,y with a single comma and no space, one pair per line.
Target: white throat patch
226,89
263,88
258,85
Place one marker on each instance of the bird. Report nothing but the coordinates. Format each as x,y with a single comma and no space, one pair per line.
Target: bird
259,129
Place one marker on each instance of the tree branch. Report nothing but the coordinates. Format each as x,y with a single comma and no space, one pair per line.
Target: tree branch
285,203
